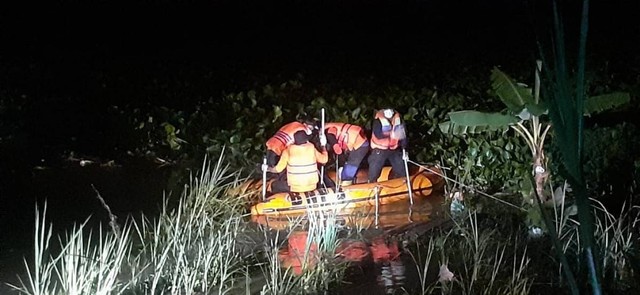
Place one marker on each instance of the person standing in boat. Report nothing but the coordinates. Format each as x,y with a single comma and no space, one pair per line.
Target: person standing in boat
351,140
388,139
284,138
301,161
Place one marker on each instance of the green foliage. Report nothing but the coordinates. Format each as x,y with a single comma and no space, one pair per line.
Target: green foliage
517,97
493,159
566,109
514,95
241,122
172,136
490,164
600,103
520,103
479,256
473,122
157,132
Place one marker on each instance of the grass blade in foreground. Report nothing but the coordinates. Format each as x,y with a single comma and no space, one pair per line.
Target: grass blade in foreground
566,106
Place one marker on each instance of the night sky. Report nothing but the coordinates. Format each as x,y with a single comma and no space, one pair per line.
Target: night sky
73,61
69,48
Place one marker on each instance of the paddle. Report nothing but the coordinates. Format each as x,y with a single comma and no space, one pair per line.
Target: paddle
338,179
264,178
321,135
405,158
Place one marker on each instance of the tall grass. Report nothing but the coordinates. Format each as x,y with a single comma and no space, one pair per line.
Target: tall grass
616,239
487,260
193,248
481,262
320,264
323,232
565,90
187,250
187,254
86,263
38,275
93,269
423,265
278,279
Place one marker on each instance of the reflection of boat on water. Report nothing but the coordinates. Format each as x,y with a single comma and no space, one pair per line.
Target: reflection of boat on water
378,211
377,249
360,194
301,252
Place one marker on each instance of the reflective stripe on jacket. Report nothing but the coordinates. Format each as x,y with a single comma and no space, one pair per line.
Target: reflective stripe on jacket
302,168
284,137
350,137
393,131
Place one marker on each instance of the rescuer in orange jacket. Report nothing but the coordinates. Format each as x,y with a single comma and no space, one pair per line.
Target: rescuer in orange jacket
284,138
301,161
388,138
350,140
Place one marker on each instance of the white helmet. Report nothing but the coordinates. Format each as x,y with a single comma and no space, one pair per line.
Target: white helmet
388,113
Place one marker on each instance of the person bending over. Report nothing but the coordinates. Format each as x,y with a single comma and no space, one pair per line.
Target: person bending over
284,138
350,140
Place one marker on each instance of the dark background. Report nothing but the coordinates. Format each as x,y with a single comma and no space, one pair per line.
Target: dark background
71,61
70,49
111,53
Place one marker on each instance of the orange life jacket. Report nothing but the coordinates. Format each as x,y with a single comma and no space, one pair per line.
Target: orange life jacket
350,137
302,167
392,129
284,137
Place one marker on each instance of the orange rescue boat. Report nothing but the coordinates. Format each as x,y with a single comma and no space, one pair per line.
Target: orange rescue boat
423,182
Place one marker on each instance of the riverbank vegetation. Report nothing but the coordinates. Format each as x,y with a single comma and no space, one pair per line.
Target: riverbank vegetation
206,246
539,208
192,247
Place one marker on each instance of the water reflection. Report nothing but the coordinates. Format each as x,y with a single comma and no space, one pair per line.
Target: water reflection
392,275
375,251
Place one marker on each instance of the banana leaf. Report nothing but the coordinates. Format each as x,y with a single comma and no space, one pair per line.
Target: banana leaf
515,96
455,129
473,122
471,118
600,103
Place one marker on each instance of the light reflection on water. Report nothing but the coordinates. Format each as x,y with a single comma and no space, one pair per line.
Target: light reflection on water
395,272
392,275
377,251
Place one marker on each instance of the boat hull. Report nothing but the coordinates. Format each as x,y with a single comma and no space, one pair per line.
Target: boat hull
385,191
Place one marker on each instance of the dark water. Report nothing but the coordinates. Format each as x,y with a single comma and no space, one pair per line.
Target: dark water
138,186
379,261
399,224
127,188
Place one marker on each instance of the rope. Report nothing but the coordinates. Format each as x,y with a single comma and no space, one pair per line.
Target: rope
464,185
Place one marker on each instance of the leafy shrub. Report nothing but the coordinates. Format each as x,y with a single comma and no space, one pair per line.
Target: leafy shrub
241,122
